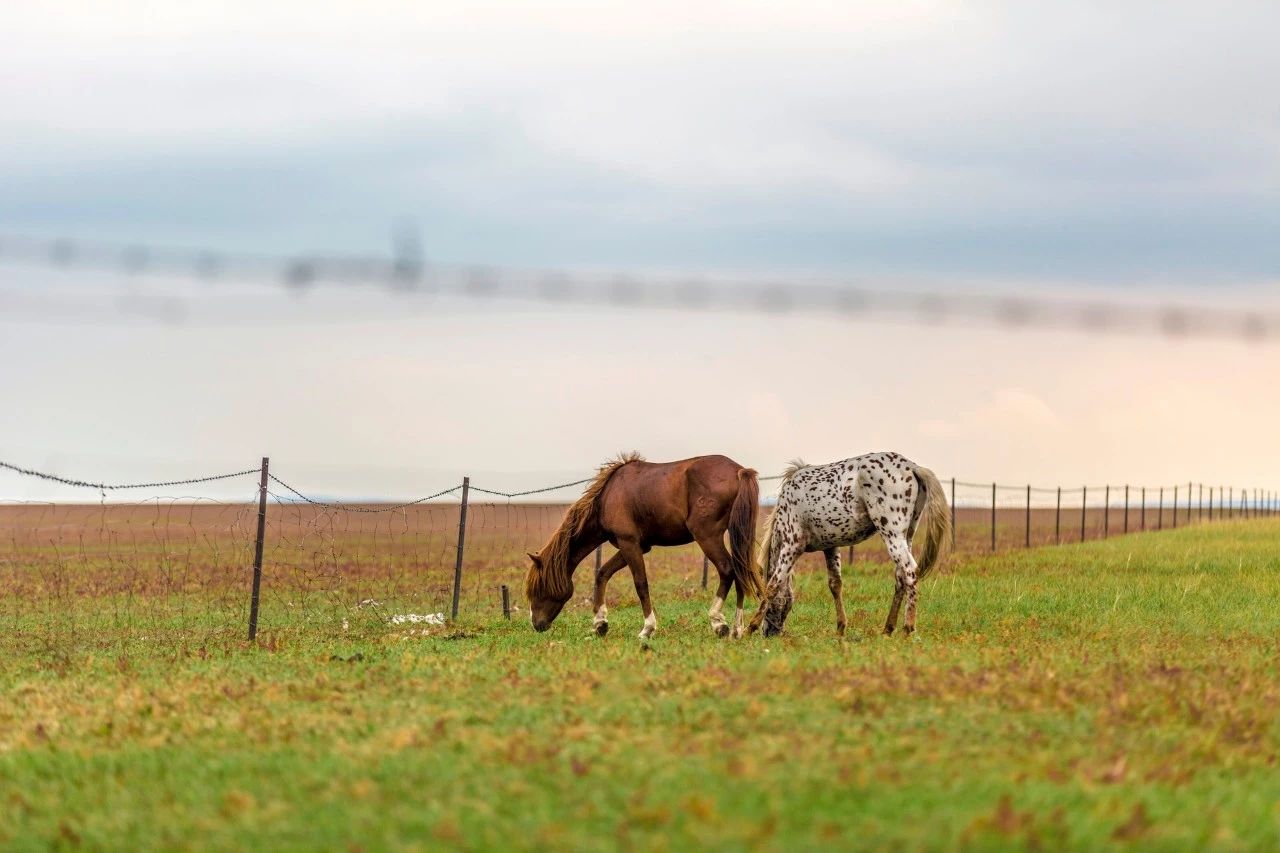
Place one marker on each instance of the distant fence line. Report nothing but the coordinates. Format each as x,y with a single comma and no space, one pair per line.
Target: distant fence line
409,272
985,516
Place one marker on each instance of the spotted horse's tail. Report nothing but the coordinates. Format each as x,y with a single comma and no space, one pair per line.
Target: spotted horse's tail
937,520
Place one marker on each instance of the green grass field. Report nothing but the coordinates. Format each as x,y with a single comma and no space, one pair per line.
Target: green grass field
1117,692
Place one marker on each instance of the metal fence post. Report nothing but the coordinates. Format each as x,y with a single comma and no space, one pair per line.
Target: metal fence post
953,513
1027,542
462,541
705,563
1160,511
1200,502
1106,511
1057,520
849,559
257,550
993,517
1084,504
1231,502
1211,503
1144,509
1126,508
506,602
1188,503
1175,507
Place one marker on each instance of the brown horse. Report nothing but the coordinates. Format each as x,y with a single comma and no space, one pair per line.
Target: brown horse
635,505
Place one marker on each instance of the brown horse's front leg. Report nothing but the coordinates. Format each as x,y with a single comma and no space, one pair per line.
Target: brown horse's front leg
635,559
600,622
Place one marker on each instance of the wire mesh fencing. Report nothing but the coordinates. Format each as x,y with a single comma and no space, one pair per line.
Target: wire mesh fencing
193,574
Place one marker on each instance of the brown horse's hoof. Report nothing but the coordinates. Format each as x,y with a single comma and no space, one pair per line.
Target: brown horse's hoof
602,628
722,630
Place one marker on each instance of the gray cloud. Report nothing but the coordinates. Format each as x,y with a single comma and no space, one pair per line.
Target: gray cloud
1138,144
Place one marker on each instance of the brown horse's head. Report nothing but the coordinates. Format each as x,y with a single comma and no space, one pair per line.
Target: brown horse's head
549,584
548,587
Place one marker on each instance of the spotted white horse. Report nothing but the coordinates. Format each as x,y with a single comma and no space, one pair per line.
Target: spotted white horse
825,507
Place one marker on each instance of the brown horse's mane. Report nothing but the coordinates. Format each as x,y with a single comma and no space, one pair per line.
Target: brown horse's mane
555,579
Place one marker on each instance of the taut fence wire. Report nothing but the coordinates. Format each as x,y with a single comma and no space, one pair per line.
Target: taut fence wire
195,573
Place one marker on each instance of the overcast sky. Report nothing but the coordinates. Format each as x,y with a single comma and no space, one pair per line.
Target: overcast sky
1127,148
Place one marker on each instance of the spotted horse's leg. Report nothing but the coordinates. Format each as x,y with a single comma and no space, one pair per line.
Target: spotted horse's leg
835,583
905,585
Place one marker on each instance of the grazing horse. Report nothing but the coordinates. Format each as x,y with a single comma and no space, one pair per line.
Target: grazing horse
635,505
823,507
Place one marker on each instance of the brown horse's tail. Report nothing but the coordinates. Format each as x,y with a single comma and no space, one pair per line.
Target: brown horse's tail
742,534
938,522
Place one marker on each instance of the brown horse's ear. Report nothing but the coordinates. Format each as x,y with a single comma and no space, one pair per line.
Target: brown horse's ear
537,561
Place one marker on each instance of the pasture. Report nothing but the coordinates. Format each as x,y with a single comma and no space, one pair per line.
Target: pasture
1117,691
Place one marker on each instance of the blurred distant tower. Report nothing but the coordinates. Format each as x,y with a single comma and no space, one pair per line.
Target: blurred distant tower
408,264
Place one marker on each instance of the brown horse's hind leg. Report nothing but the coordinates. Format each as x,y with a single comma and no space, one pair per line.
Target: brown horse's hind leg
600,622
713,546
634,556
835,583
718,624
738,627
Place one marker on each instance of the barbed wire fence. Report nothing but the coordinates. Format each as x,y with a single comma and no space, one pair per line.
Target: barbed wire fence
196,573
